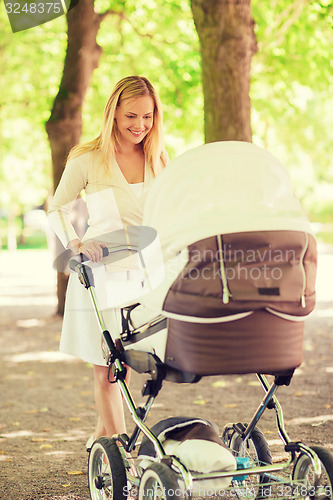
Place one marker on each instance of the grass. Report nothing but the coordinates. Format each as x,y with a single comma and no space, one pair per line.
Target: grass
36,239
31,240
325,237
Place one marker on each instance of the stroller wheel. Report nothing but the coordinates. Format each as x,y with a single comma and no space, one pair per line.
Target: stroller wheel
106,471
256,449
308,487
160,482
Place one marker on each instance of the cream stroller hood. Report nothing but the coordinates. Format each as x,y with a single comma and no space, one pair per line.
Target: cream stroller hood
217,188
221,187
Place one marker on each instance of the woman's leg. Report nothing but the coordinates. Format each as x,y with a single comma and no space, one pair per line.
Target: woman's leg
109,404
100,429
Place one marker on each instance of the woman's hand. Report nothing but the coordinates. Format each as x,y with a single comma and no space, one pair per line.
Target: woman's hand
91,249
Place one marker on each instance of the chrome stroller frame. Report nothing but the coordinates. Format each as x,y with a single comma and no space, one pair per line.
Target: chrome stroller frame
104,484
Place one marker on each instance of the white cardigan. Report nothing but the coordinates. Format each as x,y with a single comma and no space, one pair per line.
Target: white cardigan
111,202
112,205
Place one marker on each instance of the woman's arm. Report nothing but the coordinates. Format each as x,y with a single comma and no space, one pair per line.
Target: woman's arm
73,180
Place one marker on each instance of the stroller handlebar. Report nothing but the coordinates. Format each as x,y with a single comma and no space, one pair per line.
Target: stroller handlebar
85,272
75,263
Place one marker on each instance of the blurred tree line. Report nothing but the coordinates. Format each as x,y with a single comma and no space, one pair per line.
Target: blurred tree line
291,88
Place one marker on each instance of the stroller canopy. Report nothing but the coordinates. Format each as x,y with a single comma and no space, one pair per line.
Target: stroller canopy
221,187
239,258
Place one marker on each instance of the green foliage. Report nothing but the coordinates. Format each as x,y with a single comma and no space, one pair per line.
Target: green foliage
30,73
157,40
291,89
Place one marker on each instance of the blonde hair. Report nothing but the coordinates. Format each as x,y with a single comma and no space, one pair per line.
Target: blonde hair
108,140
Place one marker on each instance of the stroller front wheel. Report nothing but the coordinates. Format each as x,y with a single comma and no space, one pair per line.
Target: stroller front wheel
160,482
303,473
106,471
256,449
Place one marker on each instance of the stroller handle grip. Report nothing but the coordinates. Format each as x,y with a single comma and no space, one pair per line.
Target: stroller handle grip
75,262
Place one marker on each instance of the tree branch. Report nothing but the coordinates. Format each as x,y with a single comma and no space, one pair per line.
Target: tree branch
108,12
122,17
275,33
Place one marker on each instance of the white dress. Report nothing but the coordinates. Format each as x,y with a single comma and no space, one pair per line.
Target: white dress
112,204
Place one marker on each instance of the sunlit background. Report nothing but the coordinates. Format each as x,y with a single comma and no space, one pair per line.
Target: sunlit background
291,94
292,101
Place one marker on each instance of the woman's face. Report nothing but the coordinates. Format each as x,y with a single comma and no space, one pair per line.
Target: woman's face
134,118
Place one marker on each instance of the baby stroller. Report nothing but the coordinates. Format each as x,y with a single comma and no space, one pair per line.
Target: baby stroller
237,281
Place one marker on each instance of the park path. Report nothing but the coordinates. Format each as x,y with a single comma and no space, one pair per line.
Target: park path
47,408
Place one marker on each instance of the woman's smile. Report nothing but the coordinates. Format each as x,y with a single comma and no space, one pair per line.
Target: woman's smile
135,118
137,133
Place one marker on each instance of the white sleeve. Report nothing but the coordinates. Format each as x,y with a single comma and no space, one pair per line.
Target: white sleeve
73,180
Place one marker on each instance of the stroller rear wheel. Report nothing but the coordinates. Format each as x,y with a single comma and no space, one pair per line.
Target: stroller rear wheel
303,472
106,471
160,482
257,450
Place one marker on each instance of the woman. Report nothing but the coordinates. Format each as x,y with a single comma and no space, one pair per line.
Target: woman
115,171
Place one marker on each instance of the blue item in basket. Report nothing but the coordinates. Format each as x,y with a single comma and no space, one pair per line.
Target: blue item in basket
242,463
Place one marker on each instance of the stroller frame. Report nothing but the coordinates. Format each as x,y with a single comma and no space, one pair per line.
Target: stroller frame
145,362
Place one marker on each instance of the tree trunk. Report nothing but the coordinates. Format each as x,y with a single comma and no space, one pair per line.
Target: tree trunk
65,123
11,230
227,39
